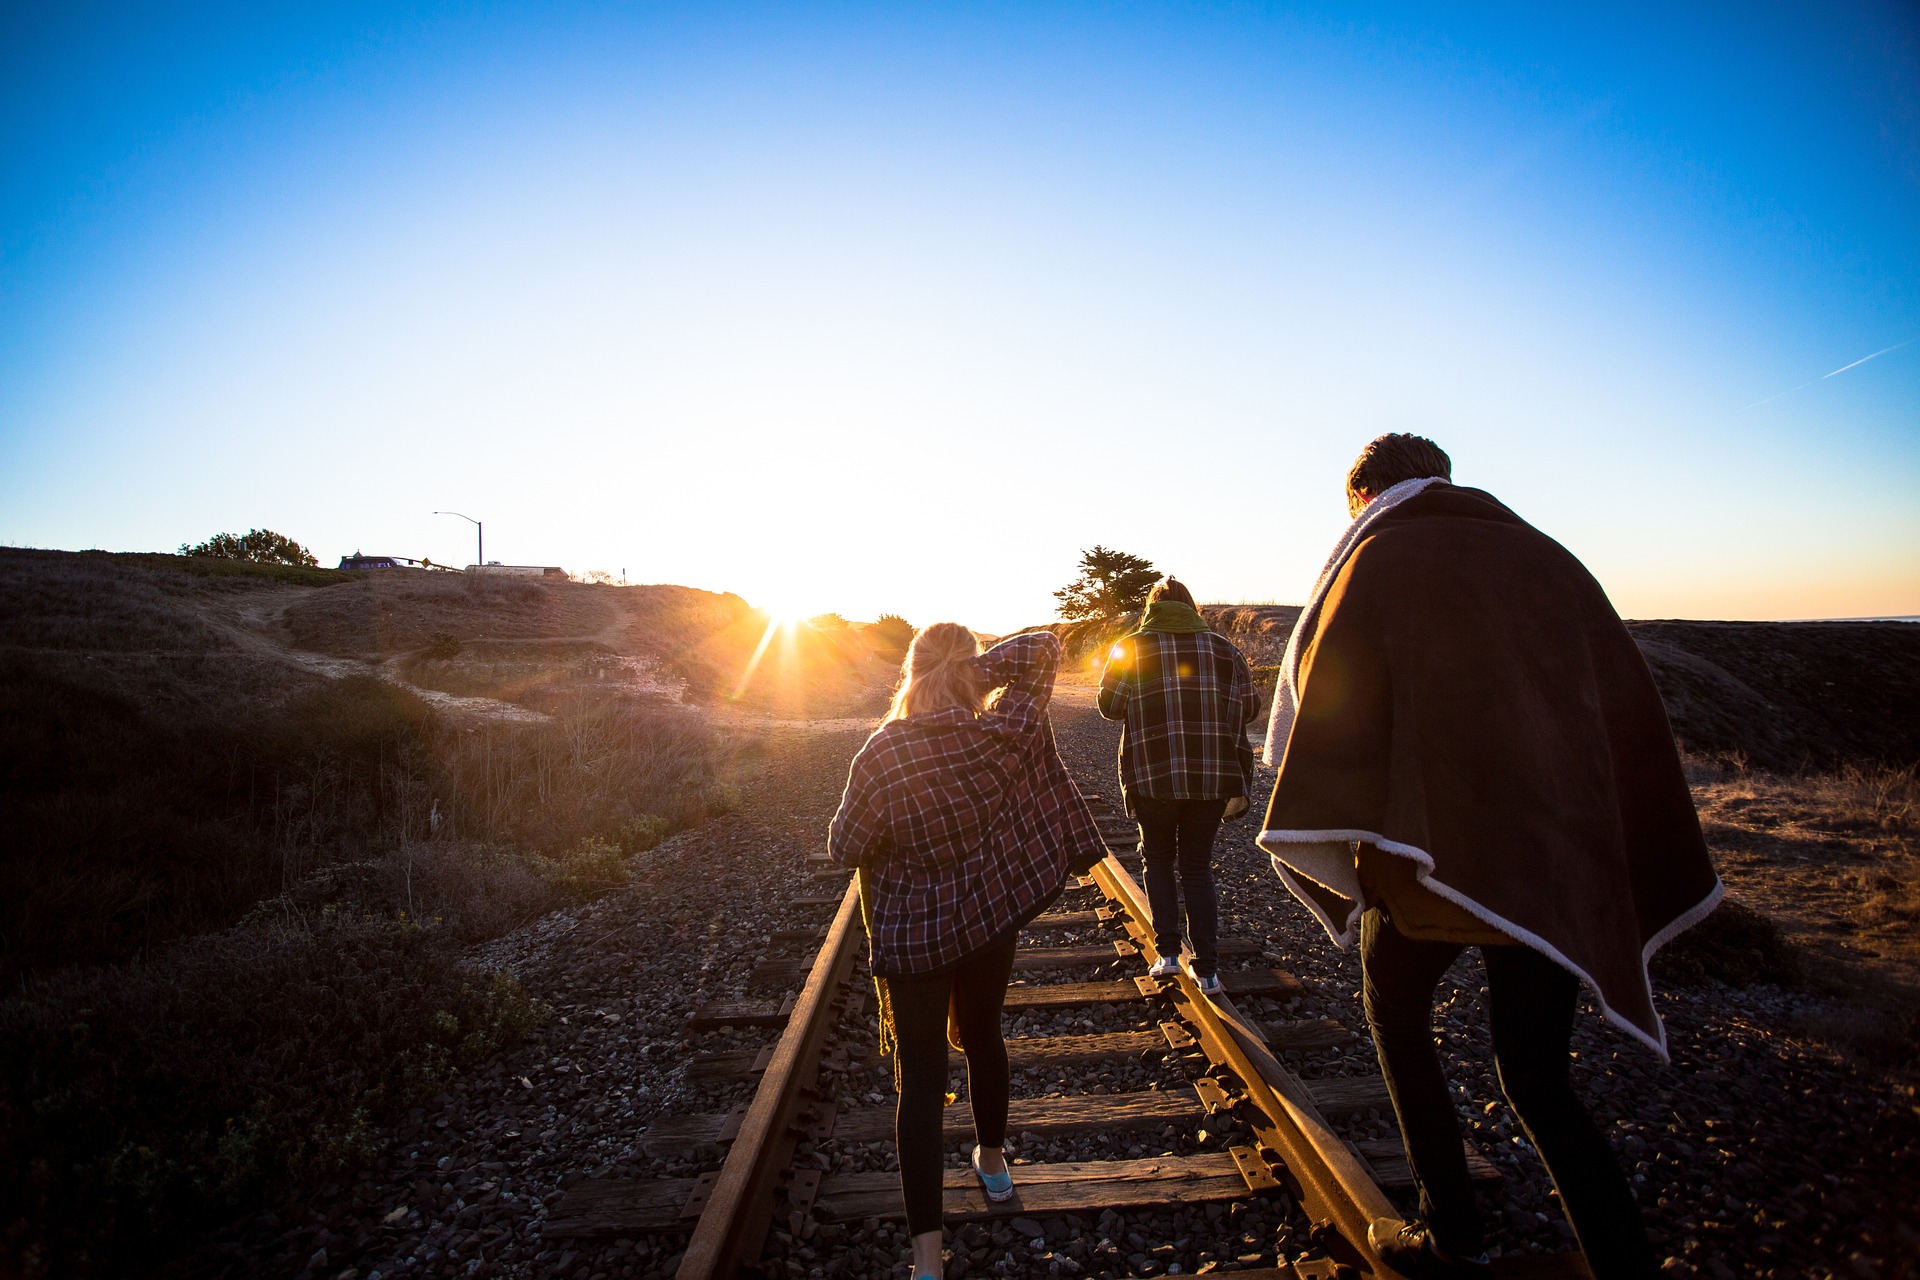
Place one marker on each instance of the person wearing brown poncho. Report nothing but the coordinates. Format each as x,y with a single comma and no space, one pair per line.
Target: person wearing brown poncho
1472,752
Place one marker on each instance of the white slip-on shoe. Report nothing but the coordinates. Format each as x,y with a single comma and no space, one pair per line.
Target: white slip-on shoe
1165,967
998,1186
1209,983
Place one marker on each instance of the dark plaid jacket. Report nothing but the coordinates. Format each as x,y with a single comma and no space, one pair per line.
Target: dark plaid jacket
1186,699
964,824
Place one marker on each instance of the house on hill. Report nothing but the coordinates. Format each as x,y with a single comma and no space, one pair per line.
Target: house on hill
359,561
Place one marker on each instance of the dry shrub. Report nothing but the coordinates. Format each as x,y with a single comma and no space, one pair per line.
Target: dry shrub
1863,798
1266,679
1735,945
468,891
594,767
394,613
1260,631
1882,1029
126,829
142,1104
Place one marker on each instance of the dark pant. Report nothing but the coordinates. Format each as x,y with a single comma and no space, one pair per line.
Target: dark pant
1531,1002
975,991
1176,839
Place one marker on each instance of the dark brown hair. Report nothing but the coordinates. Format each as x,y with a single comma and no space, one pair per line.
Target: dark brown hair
1391,458
1171,588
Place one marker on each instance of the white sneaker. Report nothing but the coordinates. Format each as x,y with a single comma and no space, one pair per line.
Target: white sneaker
1165,967
1209,984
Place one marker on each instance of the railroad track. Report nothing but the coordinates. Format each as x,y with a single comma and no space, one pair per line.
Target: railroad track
1238,1085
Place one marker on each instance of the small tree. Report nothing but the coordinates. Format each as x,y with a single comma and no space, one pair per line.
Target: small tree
262,546
1110,583
893,633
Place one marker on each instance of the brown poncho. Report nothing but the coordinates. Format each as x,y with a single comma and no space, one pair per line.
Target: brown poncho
1461,693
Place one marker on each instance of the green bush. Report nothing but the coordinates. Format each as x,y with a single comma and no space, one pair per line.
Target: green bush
716,798
592,866
259,546
643,832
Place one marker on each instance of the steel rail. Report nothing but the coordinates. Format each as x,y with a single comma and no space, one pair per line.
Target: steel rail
740,1205
1337,1191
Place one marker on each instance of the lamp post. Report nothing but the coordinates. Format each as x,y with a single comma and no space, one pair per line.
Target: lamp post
480,539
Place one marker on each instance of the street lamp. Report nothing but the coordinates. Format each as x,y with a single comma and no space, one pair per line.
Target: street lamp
480,537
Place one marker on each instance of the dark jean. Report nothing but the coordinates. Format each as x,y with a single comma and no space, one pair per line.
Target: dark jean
975,989
1531,1003
1176,840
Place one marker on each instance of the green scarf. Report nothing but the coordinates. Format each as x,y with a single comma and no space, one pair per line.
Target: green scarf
1171,615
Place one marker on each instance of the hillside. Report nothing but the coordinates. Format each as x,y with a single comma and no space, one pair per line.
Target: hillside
182,738
1778,695
294,803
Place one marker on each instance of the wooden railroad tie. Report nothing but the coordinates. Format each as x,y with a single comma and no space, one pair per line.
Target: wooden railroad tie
1071,919
1025,1053
1060,995
1146,1109
617,1207
1239,982
1085,1187
785,971
1037,1053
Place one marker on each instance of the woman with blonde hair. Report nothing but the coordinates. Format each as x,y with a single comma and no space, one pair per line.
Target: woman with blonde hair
963,823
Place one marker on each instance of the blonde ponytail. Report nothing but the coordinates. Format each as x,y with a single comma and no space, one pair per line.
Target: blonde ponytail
939,673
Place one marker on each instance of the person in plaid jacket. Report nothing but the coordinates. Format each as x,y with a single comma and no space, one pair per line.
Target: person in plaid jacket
963,822
1185,697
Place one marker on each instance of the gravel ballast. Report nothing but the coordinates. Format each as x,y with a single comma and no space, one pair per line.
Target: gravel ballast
1755,1153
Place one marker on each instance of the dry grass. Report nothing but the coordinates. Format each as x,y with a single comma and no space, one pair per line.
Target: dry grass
163,773
393,613
126,832
1832,860
72,603
520,671
142,1104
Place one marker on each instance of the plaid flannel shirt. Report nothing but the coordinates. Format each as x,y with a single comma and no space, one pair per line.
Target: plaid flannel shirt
1186,699
965,824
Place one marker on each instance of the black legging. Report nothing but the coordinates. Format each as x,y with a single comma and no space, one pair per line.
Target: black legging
1531,1003
976,989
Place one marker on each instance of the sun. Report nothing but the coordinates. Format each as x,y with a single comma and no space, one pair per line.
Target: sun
784,611
784,618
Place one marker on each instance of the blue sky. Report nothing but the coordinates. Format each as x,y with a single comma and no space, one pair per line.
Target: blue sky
898,307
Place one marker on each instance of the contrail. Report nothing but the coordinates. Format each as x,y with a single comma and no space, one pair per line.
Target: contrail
1863,359
1823,377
